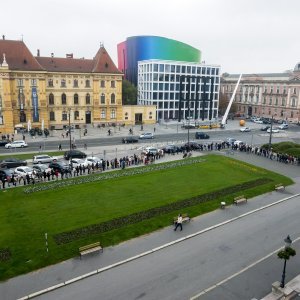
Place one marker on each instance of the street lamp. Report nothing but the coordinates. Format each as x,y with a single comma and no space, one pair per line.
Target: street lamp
70,129
271,129
285,254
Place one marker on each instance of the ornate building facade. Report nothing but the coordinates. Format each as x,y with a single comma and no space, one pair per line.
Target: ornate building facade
266,95
48,92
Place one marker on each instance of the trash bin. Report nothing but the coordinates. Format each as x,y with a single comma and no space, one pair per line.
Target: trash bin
222,205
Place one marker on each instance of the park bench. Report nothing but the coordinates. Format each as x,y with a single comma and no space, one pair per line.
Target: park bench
239,199
279,187
185,218
90,248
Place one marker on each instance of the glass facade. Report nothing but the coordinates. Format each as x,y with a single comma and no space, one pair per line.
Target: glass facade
167,83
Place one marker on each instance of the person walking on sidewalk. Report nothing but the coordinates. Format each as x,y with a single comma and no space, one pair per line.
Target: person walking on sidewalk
178,223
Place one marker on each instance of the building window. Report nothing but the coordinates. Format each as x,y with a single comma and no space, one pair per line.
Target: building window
87,84
76,101
75,83
51,99
293,102
33,82
20,82
76,115
87,99
294,91
102,99
63,99
276,101
64,116
52,116
63,83
113,114
112,84
50,82
283,101
113,99
270,101
102,84
103,114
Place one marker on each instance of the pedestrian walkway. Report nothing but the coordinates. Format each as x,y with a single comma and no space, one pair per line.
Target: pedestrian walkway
53,275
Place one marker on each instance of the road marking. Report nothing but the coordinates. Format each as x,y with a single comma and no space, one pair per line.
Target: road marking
70,281
203,292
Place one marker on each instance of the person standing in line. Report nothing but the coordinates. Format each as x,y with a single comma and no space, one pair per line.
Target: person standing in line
178,223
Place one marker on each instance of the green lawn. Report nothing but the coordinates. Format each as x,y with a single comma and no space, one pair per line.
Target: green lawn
29,155
25,218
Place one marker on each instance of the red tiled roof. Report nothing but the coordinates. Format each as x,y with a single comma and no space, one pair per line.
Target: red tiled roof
58,64
18,57
103,63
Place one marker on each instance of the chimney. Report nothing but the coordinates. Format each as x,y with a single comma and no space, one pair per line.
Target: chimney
69,55
38,52
3,37
52,54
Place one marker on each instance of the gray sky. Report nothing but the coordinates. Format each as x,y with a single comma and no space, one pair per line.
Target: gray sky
243,36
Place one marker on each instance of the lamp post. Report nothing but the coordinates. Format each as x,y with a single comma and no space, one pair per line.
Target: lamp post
285,254
271,129
70,129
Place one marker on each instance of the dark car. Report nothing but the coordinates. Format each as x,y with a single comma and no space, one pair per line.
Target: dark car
59,166
6,174
74,154
12,163
265,128
171,149
201,135
130,139
3,142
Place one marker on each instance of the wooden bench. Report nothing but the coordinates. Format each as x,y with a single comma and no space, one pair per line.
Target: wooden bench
90,248
239,199
185,218
279,187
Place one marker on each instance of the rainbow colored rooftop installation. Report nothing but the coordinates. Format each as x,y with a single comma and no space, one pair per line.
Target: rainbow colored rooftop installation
138,48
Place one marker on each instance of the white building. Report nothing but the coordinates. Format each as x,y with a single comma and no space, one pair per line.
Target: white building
166,83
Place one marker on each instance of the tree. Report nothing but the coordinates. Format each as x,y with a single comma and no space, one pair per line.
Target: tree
129,93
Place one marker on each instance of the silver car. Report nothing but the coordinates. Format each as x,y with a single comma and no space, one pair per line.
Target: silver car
43,159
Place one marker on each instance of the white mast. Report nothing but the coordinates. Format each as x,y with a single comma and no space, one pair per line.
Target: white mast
230,103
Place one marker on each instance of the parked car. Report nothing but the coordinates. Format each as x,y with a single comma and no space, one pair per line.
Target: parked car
42,159
201,135
74,154
93,160
146,135
23,171
265,128
3,142
274,130
245,129
283,126
129,139
59,166
258,121
150,150
74,162
171,149
40,168
12,163
189,126
16,144
238,143
6,174
230,141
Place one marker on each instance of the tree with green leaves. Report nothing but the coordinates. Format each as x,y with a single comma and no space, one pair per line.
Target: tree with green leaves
129,93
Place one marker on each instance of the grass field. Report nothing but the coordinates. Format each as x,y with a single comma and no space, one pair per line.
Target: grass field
29,155
25,218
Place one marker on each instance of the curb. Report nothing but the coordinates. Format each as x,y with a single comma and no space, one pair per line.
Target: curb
101,270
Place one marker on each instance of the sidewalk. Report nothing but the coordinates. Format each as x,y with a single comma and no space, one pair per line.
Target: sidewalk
53,275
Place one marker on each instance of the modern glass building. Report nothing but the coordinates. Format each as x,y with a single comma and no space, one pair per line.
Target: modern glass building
169,84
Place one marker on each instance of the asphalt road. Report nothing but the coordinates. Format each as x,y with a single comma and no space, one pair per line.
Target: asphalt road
191,266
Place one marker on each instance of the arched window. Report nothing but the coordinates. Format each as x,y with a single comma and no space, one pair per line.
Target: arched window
102,99
63,99
52,116
64,116
87,99
76,99
51,99
76,115
103,115
113,99
113,114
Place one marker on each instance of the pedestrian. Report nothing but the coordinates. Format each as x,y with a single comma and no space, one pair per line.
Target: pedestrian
59,147
40,148
154,129
178,223
85,147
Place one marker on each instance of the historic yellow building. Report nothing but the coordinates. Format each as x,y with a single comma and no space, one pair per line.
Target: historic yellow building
44,92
